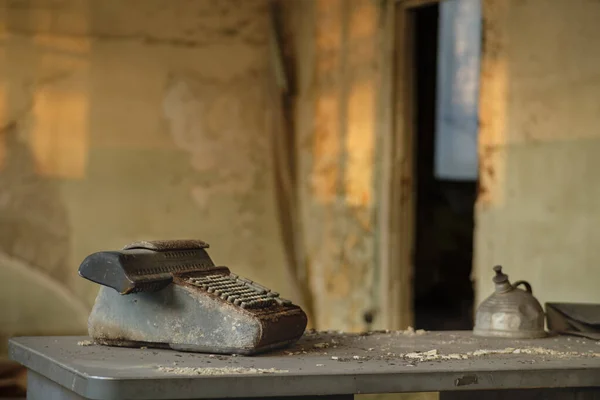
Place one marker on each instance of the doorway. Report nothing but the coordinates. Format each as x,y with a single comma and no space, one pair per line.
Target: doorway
442,255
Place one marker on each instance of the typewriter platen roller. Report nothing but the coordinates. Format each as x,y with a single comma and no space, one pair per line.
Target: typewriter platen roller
171,294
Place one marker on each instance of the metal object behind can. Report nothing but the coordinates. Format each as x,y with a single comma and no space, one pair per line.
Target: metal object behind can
510,312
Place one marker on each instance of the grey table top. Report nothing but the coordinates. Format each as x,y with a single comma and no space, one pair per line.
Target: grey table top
319,364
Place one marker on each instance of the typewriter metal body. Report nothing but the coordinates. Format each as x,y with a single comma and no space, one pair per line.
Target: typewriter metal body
170,294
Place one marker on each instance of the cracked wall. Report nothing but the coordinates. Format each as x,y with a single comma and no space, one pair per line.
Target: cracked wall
124,120
539,144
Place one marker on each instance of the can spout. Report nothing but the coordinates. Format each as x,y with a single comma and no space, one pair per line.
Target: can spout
501,280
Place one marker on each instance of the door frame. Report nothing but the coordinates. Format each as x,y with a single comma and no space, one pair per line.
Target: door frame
397,205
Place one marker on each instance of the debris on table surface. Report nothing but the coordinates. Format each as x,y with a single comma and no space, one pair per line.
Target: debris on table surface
219,370
356,351
495,364
387,353
410,331
85,343
452,346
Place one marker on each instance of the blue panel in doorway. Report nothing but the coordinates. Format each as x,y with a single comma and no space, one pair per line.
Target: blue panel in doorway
457,116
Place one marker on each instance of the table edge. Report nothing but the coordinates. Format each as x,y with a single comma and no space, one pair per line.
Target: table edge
105,388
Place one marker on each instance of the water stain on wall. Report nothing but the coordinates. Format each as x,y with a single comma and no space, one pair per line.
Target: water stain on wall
216,124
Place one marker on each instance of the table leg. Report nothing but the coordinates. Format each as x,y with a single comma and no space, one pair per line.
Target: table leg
525,394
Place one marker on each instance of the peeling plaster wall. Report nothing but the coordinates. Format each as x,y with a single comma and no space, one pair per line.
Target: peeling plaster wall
124,120
337,62
537,212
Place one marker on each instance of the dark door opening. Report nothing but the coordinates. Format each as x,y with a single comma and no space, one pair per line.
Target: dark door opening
444,221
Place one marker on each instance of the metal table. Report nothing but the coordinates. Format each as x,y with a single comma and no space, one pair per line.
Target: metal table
320,364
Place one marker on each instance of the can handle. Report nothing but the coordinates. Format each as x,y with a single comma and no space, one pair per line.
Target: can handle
524,283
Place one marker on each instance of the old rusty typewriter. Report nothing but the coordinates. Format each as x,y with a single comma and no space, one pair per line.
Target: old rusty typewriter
170,294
